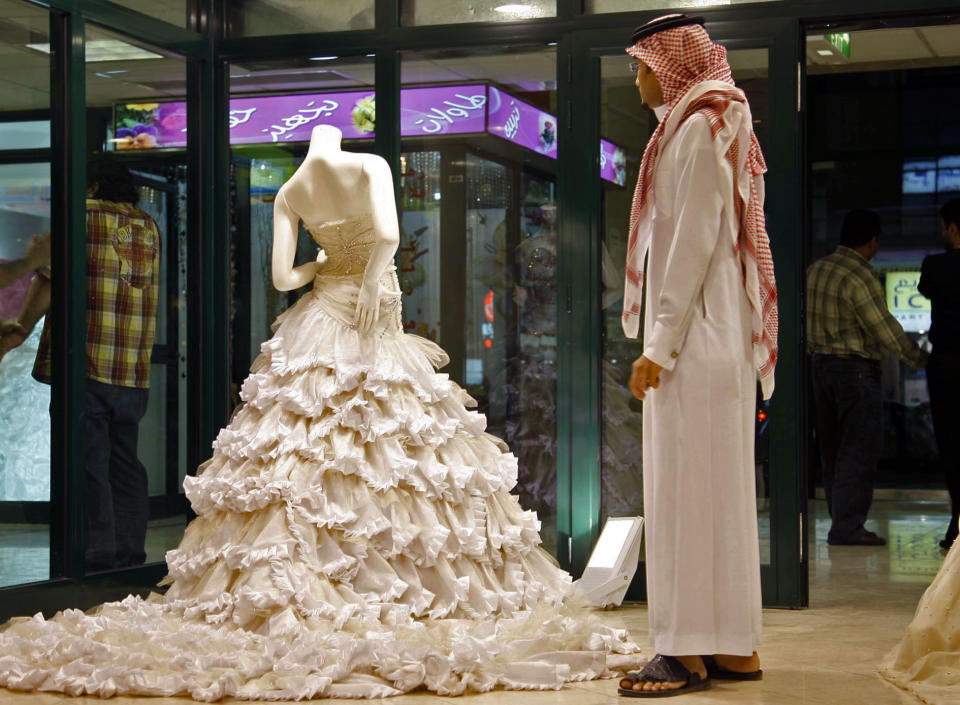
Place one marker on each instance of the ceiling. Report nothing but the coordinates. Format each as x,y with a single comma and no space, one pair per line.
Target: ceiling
880,49
25,72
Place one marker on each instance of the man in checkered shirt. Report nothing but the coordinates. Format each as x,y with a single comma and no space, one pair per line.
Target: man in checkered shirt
123,262
849,332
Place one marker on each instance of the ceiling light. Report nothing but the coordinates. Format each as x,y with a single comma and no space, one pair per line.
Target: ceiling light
515,9
107,50
824,52
323,58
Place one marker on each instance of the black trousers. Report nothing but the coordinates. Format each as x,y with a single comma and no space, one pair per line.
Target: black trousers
850,430
117,490
943,383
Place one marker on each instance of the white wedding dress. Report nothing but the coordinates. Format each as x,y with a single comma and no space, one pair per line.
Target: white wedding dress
356,538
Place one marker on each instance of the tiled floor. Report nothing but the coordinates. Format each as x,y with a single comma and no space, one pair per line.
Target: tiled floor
861,601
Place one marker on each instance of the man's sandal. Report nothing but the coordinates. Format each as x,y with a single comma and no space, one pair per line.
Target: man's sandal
714,670
663,669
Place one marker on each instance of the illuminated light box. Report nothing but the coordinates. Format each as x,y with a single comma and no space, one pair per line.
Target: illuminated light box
613,562
463,109
905,302
519,122
929,176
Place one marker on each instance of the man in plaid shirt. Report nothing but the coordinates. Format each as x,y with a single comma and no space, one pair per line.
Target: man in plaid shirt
849,332
123,261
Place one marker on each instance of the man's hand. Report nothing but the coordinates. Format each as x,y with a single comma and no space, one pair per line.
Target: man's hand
645,375
11,337
38,251
11,325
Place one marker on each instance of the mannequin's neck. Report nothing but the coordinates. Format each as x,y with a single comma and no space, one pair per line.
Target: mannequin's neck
323,140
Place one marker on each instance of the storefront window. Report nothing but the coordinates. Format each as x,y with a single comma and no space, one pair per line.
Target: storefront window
597,6
419,12
136,387
255,18
24,214
477,260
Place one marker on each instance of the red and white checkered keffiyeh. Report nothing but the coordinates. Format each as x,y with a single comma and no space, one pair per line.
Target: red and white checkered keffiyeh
681,58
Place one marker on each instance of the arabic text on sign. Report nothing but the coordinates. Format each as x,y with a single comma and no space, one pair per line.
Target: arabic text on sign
302,117
437,116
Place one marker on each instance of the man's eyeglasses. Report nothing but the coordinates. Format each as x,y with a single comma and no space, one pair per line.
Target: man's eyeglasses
635,66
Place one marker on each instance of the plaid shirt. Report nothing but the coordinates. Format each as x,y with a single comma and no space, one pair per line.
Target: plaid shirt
847,312
123,264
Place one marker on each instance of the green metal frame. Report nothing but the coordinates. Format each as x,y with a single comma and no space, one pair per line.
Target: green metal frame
207,51
68,223
784,578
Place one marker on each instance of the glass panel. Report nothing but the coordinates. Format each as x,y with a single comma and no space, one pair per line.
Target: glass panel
254,18
478,241
596,6
172,11
25,134
274,106
418,12
628,125
136,293
901,162
24,214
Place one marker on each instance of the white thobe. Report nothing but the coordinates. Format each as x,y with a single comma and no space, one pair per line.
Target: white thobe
702,552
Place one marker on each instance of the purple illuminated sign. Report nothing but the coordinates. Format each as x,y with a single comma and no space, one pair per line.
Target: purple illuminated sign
291,118
443,110
424,112
519,122
613,162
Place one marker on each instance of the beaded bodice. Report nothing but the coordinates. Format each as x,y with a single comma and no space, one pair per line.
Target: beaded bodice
347,244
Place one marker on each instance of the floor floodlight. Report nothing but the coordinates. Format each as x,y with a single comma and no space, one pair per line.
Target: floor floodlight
613,561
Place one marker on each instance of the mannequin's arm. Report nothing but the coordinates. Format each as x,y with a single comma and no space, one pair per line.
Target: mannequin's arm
35,306
37,255
383,211
285,227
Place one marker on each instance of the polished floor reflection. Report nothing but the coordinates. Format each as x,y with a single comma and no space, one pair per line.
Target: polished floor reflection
861,601
25,548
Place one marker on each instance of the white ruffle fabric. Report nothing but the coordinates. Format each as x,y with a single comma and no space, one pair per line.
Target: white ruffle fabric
926,662
355,538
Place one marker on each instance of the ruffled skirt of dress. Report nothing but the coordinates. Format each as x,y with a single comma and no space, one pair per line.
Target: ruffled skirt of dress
355,538
926,662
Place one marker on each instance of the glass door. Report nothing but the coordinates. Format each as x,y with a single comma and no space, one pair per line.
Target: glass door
606,450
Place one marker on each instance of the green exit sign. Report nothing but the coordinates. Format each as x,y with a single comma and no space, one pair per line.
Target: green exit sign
841,41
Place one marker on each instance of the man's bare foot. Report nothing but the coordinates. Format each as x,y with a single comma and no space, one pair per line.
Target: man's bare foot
738,664
694,664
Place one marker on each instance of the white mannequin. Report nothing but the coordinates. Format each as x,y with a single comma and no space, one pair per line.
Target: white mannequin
330,185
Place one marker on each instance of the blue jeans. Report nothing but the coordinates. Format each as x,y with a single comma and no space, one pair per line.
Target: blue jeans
850,430
118,502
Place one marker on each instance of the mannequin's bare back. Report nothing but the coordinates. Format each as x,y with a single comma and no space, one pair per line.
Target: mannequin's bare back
329,186
332,185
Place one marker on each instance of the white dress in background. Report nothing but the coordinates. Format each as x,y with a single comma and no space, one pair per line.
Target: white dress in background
926,662
702,549
356,538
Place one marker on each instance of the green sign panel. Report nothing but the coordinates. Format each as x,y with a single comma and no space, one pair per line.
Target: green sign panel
841,41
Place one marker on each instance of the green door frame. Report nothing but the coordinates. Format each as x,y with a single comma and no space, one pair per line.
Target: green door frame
785,577
207,311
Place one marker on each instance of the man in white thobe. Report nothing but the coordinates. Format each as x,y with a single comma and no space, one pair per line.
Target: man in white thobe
699,254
